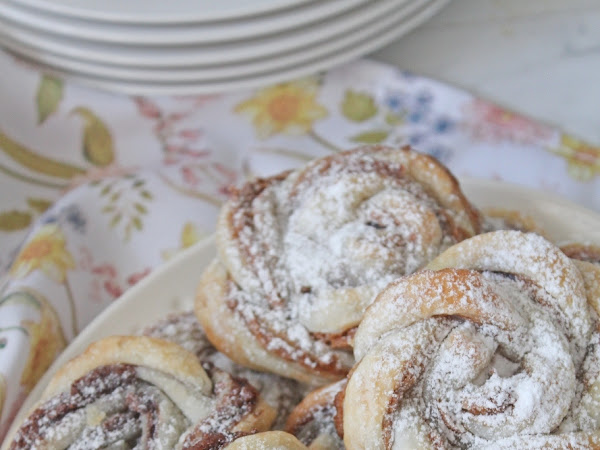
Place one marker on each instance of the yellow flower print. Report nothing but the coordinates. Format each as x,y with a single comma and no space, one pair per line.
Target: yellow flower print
45,251
289,108
583,158
190,234
46,341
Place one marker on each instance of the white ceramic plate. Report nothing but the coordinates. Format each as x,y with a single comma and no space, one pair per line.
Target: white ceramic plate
179,34
300,57
172,287
349,52
209,54
160,11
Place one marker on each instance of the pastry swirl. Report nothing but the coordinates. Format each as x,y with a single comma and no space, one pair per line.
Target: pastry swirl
273,440
494,345
315,421
141,392
582,252
302,254
282,394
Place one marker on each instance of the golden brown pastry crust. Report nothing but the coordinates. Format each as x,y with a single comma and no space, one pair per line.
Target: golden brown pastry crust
507,219
143,389
301,255
452,355
230,335
315,420
148,352
279,440
583,252
282,394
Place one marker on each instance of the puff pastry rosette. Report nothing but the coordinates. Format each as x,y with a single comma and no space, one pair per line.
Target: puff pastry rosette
282,394
582,252
301,255
267,440
144,393
316,422
494,345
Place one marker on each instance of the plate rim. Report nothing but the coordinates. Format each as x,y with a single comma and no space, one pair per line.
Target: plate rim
254,81
212,53
512,187
198,74
173,18
145,34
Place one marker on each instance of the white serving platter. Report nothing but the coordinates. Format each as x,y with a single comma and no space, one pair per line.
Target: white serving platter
159,11
172,287
350,51
174,34
331,48
209,53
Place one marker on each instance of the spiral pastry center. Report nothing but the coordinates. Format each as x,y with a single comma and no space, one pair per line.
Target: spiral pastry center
491,384
498,353
304,253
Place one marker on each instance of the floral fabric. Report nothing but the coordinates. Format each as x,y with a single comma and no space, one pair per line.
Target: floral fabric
98,189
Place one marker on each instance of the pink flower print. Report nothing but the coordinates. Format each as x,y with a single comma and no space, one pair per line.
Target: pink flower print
229,174
189,176
198,100
134,278
112,288
106,277
191,134
490,122
105,270
147,108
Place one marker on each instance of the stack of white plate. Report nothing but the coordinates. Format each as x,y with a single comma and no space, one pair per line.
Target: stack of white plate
200,46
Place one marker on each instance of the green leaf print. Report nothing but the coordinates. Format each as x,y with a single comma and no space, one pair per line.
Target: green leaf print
393,119
126,202
48,97
39,205
98,147
358,106
14,220
371,137
36,162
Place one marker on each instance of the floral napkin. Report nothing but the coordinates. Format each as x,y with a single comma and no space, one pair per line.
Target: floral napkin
99,189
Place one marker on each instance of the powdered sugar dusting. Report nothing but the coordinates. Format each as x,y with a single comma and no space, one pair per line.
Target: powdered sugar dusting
108,406
308,251
314,419
322,430
526,381
478,390
184,329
